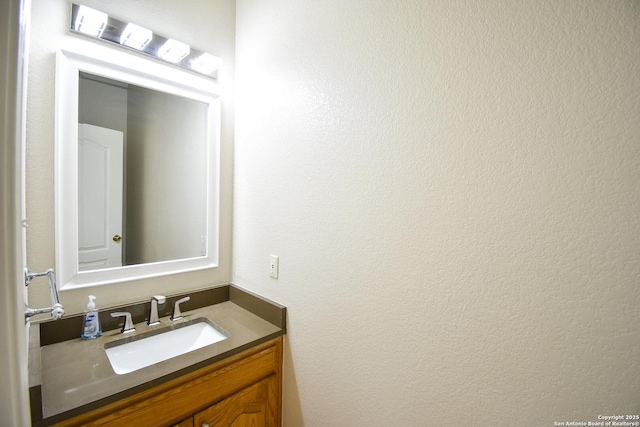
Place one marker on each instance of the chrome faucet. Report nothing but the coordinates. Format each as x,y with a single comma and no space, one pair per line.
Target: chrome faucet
153,315
177,314
56,309
128,323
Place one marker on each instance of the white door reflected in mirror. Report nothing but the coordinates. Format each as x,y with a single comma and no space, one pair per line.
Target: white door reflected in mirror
100,158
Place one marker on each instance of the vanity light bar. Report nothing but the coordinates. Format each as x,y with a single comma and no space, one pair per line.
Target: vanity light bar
99,25
90,21
174,51
136,36
206,63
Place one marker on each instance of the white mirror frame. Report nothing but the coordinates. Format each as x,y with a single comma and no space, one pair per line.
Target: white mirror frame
127,67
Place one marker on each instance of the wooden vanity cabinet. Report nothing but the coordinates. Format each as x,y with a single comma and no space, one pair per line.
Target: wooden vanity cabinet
242,390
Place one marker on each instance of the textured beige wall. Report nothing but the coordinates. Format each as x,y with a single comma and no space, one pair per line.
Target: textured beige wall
453,189
207,26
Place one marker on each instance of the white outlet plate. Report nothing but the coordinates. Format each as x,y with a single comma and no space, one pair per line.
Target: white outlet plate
273,266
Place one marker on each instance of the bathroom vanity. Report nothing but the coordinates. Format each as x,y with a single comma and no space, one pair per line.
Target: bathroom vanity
236,380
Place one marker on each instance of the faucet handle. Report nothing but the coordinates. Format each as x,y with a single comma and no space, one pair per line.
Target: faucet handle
128,323
177,314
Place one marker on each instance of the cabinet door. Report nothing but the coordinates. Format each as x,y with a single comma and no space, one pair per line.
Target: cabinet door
254,406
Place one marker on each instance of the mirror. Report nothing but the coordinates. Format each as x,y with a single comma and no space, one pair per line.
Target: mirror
148,149
136,168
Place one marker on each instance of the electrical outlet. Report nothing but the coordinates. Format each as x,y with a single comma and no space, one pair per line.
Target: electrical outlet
273,267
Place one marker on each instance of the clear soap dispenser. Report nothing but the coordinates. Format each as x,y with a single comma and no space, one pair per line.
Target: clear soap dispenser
91,326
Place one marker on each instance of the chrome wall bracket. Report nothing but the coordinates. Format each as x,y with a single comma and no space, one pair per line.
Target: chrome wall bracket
56,309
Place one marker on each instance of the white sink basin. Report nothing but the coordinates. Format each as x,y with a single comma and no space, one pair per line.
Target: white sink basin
130,354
